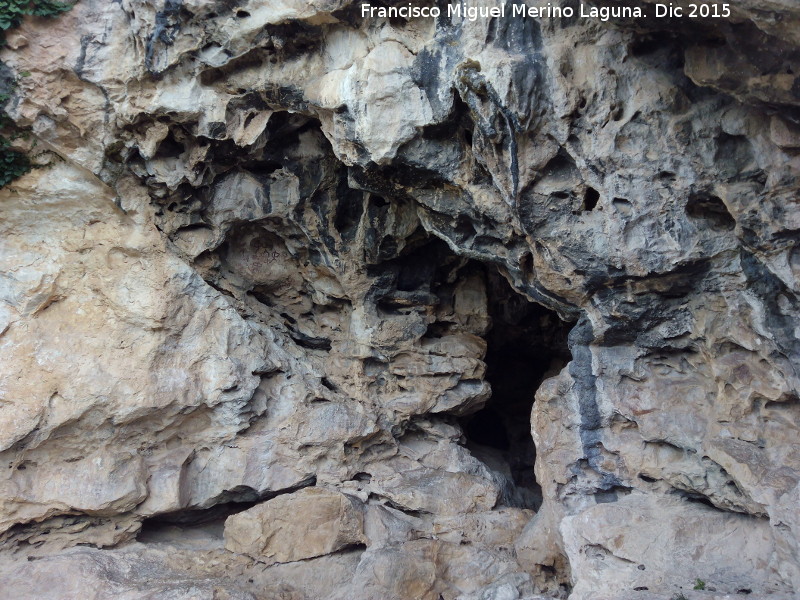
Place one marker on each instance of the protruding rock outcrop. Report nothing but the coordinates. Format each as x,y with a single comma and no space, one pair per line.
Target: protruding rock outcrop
309,523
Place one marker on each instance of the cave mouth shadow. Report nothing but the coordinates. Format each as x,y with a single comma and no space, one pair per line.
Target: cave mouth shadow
526,344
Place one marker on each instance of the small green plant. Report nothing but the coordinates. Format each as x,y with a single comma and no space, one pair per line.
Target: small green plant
679,597
14,163
699,584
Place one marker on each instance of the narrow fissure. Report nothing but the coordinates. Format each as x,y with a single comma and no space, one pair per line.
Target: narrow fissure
197,525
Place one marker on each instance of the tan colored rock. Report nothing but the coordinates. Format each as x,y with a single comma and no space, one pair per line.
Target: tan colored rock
287,244
308,523
95,264
425,569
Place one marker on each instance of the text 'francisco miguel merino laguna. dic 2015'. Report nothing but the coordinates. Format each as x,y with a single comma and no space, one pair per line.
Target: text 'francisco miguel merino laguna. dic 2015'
549,10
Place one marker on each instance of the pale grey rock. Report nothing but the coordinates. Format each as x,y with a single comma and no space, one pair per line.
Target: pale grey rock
96,575
726,551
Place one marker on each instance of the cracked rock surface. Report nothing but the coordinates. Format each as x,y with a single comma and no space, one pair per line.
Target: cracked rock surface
313,306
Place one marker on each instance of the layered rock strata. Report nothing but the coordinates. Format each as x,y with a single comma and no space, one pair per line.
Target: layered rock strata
306,305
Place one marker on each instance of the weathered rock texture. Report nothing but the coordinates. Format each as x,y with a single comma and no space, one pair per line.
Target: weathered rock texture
309,523
316,268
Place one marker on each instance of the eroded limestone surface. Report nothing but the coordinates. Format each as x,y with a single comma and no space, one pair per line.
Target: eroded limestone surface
311,306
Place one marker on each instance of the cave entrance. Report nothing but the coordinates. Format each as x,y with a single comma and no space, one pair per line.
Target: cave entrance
526,344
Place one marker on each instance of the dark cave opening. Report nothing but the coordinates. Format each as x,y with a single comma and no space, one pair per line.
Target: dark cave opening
196,524
413,271
192,524
526,344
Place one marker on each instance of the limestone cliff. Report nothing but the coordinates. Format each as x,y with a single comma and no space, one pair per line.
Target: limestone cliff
307,305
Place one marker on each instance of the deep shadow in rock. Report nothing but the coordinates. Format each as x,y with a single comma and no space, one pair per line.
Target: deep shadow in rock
190,527
195,526
526,344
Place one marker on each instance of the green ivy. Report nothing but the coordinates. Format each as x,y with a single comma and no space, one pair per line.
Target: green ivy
13,163
13,11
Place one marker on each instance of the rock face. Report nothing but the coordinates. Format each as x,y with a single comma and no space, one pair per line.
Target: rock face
309,305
